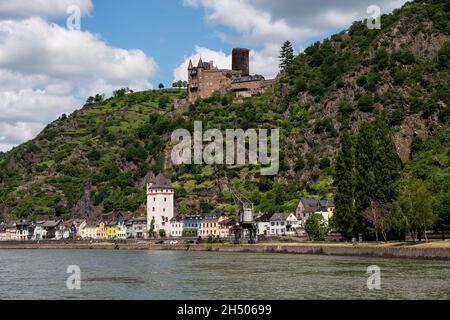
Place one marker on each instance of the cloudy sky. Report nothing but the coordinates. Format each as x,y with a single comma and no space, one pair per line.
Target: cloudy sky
47,69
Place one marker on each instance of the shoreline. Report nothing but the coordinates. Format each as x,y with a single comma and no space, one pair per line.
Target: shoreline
423,251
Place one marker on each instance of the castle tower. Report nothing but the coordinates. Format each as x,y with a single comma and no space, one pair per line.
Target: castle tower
160,204
241,61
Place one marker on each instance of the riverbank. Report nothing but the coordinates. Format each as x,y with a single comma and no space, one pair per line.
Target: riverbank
431,250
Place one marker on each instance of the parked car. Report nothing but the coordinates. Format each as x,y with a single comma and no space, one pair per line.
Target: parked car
159,242
188,242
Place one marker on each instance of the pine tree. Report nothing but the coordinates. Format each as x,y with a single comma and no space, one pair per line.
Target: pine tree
286,56
344,217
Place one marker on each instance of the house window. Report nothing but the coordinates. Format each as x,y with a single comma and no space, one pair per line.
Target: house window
165,199
153,209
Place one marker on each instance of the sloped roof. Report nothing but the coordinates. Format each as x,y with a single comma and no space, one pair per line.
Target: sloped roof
160,182
51,224
326,203
280,216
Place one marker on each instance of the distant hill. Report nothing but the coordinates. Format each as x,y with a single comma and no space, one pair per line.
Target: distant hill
99,158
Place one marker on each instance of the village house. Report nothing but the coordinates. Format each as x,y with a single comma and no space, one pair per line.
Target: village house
89,232
310,206
160,204
102,230
283,224
191,225
176,227
225,224
139,228
121,230
51,228
76,229
209,226
10,231
112,230
39,231
24,230
262,225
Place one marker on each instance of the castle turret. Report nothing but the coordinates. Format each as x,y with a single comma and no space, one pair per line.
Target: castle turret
200,64
241,61
191,66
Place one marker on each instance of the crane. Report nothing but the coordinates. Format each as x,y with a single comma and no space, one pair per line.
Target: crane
246,218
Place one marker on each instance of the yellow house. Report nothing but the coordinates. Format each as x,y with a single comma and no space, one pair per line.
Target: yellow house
112,230
102,230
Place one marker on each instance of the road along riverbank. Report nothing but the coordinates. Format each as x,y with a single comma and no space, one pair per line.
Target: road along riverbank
431,250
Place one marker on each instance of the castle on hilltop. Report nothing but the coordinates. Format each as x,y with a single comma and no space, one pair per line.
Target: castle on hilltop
206,79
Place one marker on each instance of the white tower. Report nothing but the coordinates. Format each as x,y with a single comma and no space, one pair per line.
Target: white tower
160,204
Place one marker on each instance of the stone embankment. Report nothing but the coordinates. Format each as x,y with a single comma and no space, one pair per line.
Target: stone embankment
432,250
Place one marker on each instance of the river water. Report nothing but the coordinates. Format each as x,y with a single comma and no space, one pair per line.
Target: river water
168,275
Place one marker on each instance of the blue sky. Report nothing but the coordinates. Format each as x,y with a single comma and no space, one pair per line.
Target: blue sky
165,30
47,69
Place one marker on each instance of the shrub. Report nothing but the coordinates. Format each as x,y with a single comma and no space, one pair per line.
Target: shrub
365,103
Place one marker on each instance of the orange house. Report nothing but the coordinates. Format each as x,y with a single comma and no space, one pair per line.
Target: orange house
102,230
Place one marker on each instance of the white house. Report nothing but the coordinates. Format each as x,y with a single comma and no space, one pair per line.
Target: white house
262,225
121,231
160,204
308,207
23,230
282,224
176,227
139,228
89,232
39,231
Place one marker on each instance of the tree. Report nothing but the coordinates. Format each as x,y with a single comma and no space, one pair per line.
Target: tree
286,56
442,210
163,102
90,100
379,218
122,92
377,167
413,210
316,228
162,233
345,216
151,231
161,86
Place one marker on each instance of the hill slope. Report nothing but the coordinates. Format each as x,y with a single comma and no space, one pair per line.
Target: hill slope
98,159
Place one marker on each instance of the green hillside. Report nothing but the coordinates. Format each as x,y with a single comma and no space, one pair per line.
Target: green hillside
98,159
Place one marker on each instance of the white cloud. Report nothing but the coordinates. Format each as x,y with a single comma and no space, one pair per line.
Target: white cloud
221,60
47,70
34,106
14,133
267,24
41,8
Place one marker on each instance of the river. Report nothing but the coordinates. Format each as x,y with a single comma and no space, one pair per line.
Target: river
174,275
